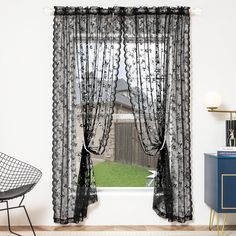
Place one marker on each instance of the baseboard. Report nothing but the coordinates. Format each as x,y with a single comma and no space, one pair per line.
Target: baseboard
117,228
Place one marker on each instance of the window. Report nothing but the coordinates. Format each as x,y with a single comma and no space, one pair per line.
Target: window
124,163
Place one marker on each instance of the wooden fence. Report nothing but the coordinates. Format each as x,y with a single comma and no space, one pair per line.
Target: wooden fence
128,149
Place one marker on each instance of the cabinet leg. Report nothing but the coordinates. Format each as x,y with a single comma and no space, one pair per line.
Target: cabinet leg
220,230
211,221
224,221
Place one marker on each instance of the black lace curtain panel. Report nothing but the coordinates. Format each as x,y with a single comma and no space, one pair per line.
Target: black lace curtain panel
86,60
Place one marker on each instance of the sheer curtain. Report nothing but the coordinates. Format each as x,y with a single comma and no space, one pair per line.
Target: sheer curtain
86,59
157,64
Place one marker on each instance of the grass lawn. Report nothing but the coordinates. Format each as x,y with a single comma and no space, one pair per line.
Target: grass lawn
113,174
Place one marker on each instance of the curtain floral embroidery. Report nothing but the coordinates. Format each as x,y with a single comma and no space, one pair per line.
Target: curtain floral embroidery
157,64
86,60
86,55
98,38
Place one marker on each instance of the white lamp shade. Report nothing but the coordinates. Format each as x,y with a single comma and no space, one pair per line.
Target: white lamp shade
212,100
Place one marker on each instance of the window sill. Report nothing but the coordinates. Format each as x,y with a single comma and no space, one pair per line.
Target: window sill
130,191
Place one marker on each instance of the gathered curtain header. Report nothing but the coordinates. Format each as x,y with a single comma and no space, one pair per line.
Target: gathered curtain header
59,10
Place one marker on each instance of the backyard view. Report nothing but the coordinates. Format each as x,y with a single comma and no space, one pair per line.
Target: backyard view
124,163
113,174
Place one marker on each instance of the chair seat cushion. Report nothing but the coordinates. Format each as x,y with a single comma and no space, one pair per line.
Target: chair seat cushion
15,192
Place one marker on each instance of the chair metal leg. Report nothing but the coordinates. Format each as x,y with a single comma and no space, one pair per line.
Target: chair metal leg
29,220
9,222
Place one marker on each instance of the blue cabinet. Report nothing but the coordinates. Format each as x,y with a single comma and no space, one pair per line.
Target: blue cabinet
220,183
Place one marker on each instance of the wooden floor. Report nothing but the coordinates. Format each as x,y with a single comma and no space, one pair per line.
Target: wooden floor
116,228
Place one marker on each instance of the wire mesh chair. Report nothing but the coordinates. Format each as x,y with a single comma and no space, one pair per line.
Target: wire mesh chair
16,179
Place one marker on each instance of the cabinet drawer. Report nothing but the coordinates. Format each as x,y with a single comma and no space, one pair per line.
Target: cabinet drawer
228,191
220,183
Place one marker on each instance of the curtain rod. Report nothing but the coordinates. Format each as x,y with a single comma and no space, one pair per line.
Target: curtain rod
193,11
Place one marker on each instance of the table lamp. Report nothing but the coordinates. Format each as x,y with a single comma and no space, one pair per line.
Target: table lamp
213,101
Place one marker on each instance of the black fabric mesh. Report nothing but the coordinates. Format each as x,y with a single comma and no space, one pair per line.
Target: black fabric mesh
86,61
157,58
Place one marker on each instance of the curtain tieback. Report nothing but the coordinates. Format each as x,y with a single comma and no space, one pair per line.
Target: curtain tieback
163,144
86,147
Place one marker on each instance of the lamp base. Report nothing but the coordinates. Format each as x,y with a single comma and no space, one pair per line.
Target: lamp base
231,133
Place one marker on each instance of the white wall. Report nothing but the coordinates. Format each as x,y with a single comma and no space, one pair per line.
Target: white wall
26,101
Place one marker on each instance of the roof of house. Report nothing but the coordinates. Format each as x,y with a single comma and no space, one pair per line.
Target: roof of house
121,85
122,100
